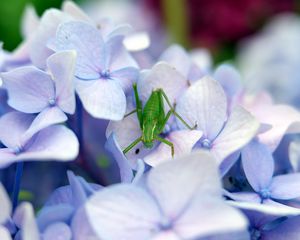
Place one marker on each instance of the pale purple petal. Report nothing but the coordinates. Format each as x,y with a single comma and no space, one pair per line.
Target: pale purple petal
87,41
178,58
294,155
207,216
81,228
228,162
183,140
204,103
75,11
175,183
285,186
240,128
30,21
61,66
55,142
102,98
256,155
117,57
7,157
126,173
29,89
243,196
126,77
166,235
289,229
269,207
58,231
52,214
229,78
123,212
161,76
79,195
4,233
24,219
13,125
39,52
5,205
126,131
49,116
283,119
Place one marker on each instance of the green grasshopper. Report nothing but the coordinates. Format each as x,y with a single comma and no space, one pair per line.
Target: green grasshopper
152,119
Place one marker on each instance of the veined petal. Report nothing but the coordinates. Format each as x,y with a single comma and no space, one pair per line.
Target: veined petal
216,214
256,155
285,186
183,141
126,77
55,142
178,58
162,76
240,128
87,41
38,50
61,66
176,183
126,132
123,212
204,103
102,98
29,89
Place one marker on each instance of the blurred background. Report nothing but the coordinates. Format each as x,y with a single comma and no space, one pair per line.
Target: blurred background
216,24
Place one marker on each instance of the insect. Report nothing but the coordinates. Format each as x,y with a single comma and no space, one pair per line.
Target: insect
152,119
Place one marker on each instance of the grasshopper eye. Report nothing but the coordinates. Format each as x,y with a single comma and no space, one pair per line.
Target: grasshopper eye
137,151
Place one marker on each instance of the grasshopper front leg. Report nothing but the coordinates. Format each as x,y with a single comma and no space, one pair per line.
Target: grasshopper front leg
134,143
175,113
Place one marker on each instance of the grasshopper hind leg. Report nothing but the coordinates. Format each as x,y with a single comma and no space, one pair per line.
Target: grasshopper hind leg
170,144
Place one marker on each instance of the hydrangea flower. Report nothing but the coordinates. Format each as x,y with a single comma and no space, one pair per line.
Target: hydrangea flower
31,90
268,189
23,218
104,69
176,198
205,102
22,143
283,119
62,217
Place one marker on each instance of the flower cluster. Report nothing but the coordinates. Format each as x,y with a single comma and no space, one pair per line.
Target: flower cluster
197,156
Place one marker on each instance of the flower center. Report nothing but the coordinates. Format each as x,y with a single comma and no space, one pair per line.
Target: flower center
255,234
206,143
51,102
105,74
265,194
17,150
165,224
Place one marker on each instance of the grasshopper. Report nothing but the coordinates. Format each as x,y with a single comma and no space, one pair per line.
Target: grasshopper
152,119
